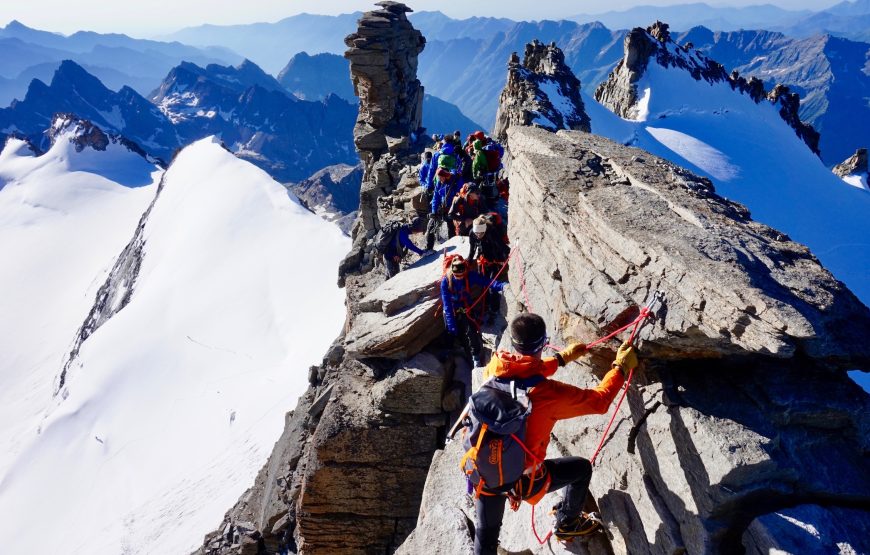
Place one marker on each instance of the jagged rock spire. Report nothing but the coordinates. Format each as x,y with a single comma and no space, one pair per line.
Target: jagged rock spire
619,93
542,92
855,164
383,66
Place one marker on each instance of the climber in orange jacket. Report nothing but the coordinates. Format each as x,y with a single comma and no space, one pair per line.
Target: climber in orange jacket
551,401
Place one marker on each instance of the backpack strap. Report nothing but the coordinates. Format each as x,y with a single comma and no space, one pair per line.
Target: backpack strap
471,455
525,383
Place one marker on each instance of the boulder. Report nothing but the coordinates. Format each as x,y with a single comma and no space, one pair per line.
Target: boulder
402,314
415,388
630,223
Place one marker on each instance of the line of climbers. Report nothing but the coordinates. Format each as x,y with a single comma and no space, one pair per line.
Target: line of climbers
465,192
507,423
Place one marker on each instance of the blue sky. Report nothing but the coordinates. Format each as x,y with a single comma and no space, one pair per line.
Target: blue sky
146,18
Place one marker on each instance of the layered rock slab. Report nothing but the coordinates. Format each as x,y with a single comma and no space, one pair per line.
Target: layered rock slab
741,416
397,317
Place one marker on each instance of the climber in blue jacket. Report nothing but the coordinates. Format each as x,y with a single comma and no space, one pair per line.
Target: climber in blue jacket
423,174
460,289
446,187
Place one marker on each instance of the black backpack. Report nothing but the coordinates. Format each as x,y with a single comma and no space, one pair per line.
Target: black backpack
386,236
495,432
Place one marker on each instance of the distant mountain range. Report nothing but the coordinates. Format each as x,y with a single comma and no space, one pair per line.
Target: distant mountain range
464,60
846,19
257,120
117,60
316,77
255,116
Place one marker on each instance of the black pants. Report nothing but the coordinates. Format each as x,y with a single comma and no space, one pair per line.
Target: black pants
433,226
391,264
469,337
493,298
574,472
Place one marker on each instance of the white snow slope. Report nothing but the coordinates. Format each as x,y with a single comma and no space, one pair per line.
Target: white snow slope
753,157
175,403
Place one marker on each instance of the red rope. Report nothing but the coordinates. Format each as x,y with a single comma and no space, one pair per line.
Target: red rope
535,530
482,295
523,281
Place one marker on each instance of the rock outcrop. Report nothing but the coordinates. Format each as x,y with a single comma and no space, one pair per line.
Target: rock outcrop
854,165
742,418
332,193
654,44
84,134
542,91
383,66
347,475
854,170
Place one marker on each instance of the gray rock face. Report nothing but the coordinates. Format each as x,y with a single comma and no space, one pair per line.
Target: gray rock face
542,92
740,409
396,319
654,44
332,193
854,165
383,66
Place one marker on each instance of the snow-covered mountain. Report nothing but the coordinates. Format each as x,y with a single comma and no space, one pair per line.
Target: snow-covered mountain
830,74
170,405
744,140
73,90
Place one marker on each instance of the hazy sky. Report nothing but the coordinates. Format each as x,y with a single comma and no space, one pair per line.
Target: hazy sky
143,18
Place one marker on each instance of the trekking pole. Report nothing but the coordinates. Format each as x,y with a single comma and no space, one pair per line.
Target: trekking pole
458,423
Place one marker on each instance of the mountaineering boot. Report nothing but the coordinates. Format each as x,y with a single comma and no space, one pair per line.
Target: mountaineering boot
569,528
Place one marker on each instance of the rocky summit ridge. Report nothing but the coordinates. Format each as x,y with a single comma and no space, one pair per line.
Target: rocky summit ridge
742,410
541,91
740,422
619,92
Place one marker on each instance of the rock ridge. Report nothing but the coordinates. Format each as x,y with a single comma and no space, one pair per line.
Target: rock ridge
855,164
641,46
347,475
727,425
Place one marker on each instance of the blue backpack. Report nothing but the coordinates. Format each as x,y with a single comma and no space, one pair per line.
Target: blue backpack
495,433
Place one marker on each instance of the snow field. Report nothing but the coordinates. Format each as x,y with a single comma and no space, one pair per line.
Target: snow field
175,403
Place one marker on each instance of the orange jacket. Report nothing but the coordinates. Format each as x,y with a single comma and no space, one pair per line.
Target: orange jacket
552,400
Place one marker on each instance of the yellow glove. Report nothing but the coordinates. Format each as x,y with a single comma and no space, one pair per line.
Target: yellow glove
626,358
572,352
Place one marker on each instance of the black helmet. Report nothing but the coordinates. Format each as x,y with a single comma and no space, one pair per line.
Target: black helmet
528,333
